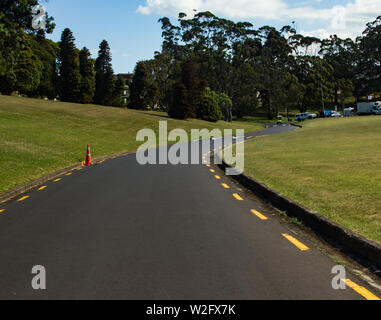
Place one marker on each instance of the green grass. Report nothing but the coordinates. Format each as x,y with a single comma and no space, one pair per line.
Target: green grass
332,166
38,137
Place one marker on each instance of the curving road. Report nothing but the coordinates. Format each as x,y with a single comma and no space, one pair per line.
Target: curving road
119,230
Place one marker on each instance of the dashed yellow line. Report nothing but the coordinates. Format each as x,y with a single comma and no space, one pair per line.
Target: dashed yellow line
225,186
212,170
208,165
23,198
42,188
218,177
296,243
259,215
361,290
2,210
69,173
237,197
59,179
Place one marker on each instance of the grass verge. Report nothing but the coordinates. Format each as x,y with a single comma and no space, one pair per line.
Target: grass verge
332,166
38,137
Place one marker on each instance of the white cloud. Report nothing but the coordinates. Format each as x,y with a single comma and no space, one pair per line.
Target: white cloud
357,13
232,9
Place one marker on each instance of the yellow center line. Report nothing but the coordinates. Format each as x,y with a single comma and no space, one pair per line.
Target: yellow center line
361,290
59,179
225,186
296,243
258,214
23,198
42,188
237,196
212,170
218,177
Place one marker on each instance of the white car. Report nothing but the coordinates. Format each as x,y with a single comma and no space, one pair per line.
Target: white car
336,114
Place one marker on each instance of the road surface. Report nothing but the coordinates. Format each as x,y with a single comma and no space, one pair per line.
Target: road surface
119,230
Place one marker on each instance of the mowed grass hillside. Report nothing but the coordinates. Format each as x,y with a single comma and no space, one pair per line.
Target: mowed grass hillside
38,137
332,166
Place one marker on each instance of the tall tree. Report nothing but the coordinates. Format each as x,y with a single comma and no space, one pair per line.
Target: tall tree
180,108
139,87
87,72
70,77
119,89
104,75
15,20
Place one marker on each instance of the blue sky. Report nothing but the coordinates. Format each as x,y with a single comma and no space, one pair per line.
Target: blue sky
132,30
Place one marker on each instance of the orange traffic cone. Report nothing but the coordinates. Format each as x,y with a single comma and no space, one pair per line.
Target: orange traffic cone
88,157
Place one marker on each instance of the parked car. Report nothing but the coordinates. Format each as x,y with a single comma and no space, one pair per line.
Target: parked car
301,116
312,115
336,114
304,116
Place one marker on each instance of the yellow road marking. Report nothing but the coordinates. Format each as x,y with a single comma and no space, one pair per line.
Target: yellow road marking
23,198
212,170
296,243
361,290
59,179
2,210
237,196
225,186
258,214
218,177
42,188
208,165
69,173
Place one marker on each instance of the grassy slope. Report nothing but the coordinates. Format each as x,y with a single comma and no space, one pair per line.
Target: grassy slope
332,166
38,137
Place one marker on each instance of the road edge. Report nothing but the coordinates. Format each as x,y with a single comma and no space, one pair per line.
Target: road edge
357,247
17,191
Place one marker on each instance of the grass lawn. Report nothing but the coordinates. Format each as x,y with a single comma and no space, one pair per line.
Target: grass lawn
332,166
38,137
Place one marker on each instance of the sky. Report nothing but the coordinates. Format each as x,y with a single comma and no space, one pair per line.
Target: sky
131,26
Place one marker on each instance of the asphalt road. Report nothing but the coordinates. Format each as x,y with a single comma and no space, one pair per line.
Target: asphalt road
119,230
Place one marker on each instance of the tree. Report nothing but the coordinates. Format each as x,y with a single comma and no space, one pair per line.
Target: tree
70,77
86,66
15,20
226,104
273,64
346,89
210,108
139,87
180,108
120,87
105,80
190,80
27,69
47,52
370,61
